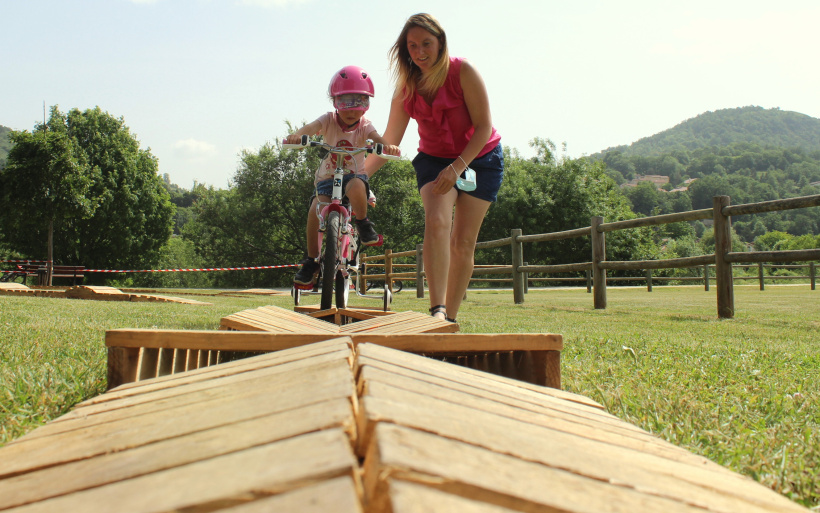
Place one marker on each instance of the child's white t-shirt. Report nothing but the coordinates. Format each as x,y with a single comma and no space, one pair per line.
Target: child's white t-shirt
335,135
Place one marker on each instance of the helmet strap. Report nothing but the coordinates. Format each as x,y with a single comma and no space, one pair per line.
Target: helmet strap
344,125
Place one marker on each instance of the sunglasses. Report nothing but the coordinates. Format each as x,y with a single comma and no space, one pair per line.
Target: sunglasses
351,102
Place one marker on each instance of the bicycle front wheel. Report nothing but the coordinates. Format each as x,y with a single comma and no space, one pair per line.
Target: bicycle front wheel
330,258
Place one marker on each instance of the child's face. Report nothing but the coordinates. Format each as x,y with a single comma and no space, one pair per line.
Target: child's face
351,116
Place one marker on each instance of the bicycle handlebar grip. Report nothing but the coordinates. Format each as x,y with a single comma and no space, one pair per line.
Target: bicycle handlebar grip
379,150
295,146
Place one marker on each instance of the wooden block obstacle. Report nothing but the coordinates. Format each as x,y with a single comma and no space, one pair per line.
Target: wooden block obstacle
336,320
135,355
341,426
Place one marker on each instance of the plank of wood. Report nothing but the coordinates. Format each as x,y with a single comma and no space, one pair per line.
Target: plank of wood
400,453
151,422
604,429
339,495
227,368
261,341
174,452
403,322
407,497
654,476
513,387
90,415
13,286
283,356
224,481
451,377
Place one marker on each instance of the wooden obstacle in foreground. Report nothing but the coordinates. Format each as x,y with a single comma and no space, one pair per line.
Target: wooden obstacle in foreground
344,427
138,354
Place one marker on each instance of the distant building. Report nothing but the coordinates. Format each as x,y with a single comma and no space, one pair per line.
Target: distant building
658,180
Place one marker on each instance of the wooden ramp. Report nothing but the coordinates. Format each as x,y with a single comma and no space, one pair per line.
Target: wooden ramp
280,320
101,293
92,292
21,290
344,427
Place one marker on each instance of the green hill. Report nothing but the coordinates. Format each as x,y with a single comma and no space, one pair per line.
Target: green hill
753,125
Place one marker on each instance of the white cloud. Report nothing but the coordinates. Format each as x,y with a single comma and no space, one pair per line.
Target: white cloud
191,149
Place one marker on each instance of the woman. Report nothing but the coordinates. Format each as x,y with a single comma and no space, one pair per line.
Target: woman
447,98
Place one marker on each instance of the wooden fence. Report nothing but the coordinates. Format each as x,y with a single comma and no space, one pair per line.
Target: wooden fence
722,259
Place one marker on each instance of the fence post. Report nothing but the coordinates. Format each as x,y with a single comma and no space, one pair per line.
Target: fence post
526,280
589,281
362,281
388,269
420,271
706,277
649,280
723,269
811,274
517,262
760,274
598,256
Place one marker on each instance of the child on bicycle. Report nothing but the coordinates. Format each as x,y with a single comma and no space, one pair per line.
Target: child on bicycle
350,91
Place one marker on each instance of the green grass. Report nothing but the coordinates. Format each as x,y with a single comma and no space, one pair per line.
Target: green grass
743,392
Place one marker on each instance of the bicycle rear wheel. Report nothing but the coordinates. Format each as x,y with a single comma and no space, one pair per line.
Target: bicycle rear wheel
330,258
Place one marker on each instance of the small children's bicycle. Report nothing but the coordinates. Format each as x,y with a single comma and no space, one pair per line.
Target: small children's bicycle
339,256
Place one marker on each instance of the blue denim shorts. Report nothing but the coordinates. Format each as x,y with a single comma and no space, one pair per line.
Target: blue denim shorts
325,187
489,171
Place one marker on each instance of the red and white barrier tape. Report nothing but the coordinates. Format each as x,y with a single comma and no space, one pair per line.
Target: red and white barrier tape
252,268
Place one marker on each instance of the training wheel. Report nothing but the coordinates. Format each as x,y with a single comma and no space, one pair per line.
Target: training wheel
388,298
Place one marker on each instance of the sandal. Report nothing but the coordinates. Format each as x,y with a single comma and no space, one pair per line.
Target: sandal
451,320
439,309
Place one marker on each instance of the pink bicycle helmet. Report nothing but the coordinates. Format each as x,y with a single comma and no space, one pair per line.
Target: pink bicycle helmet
351,80
351,89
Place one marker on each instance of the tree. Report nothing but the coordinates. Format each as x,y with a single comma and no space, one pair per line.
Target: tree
106,174
46,182
134,215
546,195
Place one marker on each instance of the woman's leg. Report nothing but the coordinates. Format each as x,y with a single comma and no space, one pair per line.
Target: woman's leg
438,222
469,215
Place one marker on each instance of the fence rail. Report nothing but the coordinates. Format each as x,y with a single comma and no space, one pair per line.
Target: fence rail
722,259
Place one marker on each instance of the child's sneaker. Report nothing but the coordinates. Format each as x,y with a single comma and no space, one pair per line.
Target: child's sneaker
367,233
305,275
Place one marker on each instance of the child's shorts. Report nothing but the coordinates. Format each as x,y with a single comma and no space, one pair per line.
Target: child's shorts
489,171
325,187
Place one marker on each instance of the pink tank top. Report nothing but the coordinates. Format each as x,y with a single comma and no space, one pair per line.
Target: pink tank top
445,127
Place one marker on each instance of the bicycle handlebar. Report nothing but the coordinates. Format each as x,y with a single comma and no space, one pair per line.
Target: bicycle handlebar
377,148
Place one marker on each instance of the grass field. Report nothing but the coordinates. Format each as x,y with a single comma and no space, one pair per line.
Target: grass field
743,392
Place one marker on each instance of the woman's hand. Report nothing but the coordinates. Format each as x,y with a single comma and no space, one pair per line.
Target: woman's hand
445,181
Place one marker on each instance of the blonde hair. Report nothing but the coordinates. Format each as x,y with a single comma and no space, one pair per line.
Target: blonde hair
407,75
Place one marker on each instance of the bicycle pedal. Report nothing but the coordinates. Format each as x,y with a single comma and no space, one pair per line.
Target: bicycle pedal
301,286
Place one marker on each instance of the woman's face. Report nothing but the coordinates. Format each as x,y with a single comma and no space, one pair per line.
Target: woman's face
423,46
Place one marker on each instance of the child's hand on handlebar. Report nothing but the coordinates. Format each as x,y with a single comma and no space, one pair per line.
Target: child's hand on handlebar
293,139
391,149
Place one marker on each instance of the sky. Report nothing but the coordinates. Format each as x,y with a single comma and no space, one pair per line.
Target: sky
199,81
